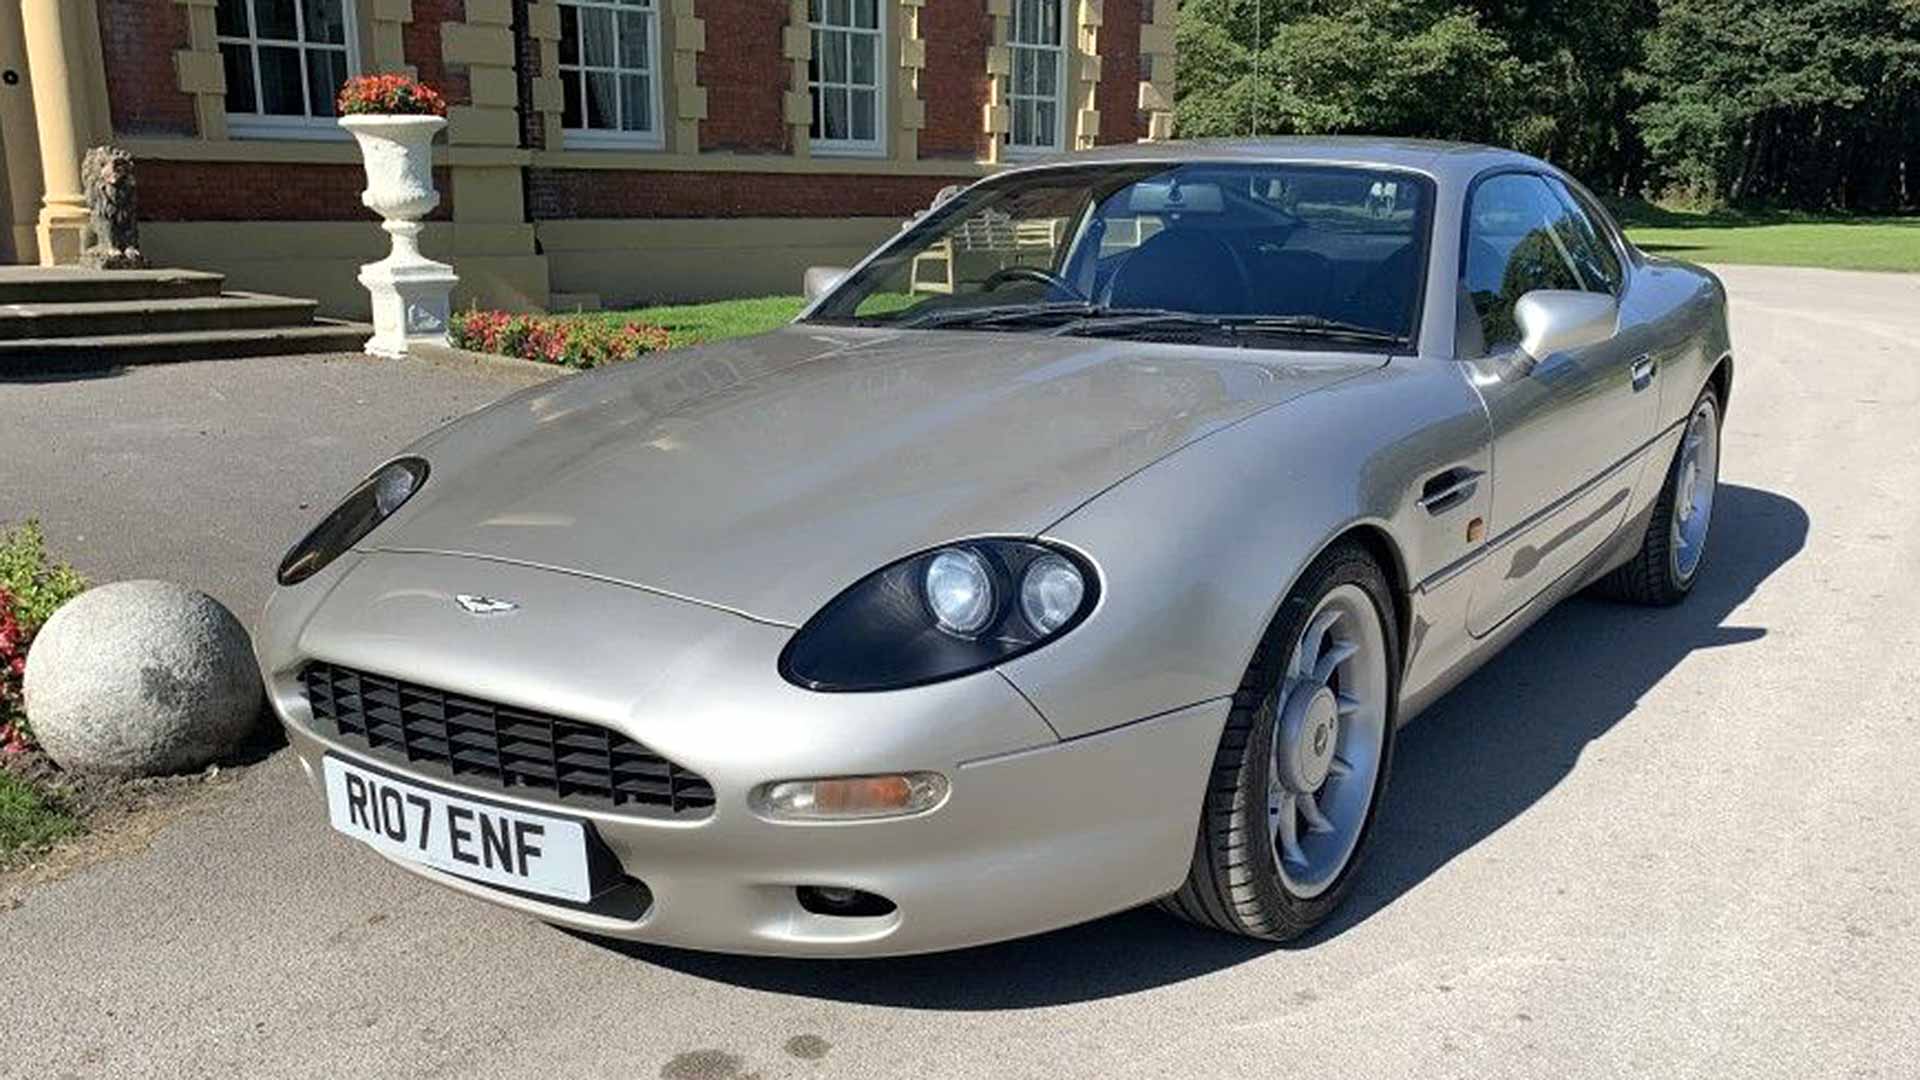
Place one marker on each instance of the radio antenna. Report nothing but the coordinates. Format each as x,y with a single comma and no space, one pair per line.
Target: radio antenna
1259,10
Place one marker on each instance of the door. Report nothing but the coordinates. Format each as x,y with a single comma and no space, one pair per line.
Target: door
1569,428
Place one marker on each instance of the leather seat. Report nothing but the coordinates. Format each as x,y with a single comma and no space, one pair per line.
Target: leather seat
1182,270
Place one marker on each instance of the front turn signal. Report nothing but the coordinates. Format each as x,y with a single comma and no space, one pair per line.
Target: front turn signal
850,798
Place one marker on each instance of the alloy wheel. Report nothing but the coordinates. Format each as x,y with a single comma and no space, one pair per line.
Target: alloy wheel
1329,731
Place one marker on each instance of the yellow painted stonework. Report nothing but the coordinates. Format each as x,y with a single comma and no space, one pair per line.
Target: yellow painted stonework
909,111
687,33
1083,96
798,42
1156,91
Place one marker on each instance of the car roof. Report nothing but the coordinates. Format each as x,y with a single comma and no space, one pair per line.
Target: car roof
1445,161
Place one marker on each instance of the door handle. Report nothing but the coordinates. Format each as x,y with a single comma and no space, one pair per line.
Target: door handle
1447,490
1643,370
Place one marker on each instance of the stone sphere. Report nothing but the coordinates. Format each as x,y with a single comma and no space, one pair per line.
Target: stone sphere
141,677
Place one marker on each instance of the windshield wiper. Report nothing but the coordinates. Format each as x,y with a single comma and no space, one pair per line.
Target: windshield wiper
1123,321
1311,324
999,314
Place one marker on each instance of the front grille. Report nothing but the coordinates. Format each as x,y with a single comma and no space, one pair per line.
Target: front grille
500,746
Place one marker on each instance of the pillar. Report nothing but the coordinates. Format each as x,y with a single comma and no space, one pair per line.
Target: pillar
60,119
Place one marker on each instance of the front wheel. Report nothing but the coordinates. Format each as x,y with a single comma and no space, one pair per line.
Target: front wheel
1663,571
1303,760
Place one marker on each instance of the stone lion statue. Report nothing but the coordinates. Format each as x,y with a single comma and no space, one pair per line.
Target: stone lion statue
107,174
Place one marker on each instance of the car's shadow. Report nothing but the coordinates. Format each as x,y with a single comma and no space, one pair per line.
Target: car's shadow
1473,763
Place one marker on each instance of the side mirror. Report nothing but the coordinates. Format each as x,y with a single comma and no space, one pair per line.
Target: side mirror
820,280
1557,320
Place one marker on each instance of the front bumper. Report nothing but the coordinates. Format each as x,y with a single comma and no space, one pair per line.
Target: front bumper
1036,833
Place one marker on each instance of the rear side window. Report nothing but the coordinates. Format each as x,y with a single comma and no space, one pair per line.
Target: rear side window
1595,256
1516,231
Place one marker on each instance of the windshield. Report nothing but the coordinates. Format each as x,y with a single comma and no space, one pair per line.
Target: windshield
1156,250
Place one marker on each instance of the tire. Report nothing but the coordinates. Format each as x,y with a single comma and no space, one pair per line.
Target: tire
1238,881
1660,574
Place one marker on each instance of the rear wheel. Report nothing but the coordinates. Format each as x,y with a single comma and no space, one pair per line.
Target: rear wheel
1303,761
1663,571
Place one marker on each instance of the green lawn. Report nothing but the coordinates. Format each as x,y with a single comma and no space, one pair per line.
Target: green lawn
28,822
1777,239
691,324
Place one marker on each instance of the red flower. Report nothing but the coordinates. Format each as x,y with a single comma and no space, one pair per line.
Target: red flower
13,669
389,95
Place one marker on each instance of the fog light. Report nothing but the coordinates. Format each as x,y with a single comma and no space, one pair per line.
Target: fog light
850,797
845,903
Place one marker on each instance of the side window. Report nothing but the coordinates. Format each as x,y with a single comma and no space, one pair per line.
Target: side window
1514,246
1598,261
1600,266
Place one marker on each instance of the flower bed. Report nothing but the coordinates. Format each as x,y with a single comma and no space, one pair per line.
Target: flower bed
575,341
31,587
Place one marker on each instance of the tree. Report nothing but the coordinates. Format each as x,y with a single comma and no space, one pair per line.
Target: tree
1391,67
1806,103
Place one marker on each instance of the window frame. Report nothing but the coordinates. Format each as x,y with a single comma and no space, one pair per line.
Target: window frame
877,146
1062,52
259,125
591,138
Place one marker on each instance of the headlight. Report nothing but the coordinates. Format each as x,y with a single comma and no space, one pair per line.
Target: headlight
377,497
1050,593
941,614
960,591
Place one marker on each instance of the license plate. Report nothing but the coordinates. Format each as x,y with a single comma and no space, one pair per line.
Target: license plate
481,841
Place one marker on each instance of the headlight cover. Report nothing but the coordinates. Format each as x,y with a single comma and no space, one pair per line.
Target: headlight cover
377,497
931,617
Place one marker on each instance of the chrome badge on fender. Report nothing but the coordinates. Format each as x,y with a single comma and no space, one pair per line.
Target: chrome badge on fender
484,605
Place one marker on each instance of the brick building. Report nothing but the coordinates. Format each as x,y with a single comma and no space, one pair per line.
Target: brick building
625,149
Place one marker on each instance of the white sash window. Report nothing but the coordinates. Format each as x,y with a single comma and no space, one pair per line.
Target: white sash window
285,61
609,73
1039,76
846,76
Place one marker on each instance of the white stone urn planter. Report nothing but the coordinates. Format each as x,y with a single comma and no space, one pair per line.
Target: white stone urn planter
412,294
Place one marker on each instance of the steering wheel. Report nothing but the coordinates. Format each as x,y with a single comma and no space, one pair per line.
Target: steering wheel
1028,273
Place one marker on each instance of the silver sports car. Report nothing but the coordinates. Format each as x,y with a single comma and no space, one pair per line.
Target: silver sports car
1082,547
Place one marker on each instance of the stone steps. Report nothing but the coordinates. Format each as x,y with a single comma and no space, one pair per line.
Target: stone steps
55,319
33,356
227,311
73,285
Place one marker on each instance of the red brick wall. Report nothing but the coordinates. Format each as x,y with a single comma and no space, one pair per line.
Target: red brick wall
252,191
420,41
1119,92
954,82
556,194
746,75
138,38
742,70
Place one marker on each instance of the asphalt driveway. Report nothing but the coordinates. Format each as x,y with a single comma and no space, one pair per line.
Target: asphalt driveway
205,473
1679,843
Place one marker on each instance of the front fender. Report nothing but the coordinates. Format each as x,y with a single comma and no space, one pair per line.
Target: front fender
1197,552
